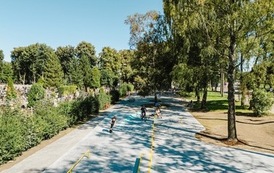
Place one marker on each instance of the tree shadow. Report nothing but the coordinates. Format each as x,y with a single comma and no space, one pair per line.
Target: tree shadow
176,149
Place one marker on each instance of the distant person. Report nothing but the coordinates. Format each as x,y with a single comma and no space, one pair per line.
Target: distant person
143,112
112,122
158,112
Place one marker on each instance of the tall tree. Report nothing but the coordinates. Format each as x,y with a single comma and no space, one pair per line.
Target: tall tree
53,75
152,63
85,49
110,65
86,72
226,25
7,72
29,62
1,64
96,78
65,55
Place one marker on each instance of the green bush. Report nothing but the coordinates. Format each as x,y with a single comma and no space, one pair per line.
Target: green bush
65,108
11,92
103,99
20,132
125,88
65,90
83,107
36,93
115,96
12,141
130,87
49,119
261,101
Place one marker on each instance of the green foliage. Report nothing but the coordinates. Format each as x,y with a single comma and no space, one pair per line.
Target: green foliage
67,89
12,140
76,72
20,132
103,99
6,71
144,91
261,101
86,71
115,96
124,88
130,87
84,107
53,74
29,62
88,50
96,77
36,93
11,92
49,119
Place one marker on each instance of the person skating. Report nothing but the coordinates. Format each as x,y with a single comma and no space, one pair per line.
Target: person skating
112,122
143,112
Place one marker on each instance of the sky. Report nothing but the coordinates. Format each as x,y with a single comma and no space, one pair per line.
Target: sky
68,22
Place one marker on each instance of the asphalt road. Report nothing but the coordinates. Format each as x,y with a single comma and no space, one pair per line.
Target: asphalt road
165,145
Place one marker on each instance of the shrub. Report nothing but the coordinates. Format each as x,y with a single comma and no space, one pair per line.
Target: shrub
103,99
67,89
12,141
49,120
36,93
261,101
11,92
125,88
115,95
83,107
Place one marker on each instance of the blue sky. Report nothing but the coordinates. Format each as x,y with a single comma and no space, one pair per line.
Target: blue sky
68,22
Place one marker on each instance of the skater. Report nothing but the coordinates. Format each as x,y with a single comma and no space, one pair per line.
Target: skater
143,112
112,122
158,112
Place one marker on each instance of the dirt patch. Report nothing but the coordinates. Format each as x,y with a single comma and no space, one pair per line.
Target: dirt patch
254,133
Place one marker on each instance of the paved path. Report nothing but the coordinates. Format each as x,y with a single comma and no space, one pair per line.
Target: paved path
166,145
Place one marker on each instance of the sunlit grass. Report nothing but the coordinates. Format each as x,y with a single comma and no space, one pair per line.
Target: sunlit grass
215,102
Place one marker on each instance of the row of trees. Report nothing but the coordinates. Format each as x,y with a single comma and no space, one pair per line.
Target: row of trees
68,65
217,37
194,44
197,43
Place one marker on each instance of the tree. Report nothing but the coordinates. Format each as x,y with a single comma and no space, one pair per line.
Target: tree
11,92
88,50
95,78
86,72
7,72
1,64
76,72
29,62
66,55
126,57
36,93
226,24
151,64
53,75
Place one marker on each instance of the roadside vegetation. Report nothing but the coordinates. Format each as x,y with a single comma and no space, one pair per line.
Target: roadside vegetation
194,46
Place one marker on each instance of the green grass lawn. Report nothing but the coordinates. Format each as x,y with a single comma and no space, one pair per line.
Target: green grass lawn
215,102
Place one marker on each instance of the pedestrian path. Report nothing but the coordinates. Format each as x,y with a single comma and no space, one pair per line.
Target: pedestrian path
165,145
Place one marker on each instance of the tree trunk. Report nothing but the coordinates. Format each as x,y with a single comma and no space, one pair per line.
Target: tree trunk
231,118
222,83
197,93
203,103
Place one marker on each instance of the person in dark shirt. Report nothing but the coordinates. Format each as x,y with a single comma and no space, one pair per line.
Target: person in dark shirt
112,122
143,112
